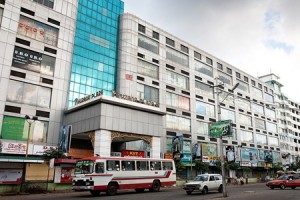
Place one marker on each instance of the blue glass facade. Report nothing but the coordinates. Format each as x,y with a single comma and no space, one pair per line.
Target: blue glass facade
94,63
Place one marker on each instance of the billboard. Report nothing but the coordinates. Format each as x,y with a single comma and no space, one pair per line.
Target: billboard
220,128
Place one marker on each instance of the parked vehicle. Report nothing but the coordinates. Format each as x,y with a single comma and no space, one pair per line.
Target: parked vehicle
204,183
284,181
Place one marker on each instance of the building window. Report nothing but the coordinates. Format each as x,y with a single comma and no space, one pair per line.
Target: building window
266,89
48,3
243,103
226,98
147,69
245,119
148,93
184,49
227,115
269,98
270,113
203,68
243,86
197,55
273,141
178,123
155,35
246,79
2,2
258,109
38,31
177,57
204,89
260,124
209,61
271,127
177,80
219,66
14,128
253,82
177,101
170,42
261,139
148,44
257,92
225,78
238,75
229,71
259,86
24,93
33,61
142,28
201,128
246,136
1,15
205,109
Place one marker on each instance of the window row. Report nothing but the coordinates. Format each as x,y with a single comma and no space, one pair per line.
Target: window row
132,165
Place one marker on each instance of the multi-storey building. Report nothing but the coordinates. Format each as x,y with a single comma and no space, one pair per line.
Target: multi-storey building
288,116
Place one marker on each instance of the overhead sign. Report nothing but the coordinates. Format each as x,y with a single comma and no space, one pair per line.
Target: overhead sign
132,153
220,128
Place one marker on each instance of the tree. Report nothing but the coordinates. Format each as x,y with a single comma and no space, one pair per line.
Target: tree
201,166
179,166
233,166
53,153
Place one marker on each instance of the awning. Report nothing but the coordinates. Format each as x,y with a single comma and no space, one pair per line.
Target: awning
21,159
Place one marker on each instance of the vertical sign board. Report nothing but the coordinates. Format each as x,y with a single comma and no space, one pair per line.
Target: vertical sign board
220,128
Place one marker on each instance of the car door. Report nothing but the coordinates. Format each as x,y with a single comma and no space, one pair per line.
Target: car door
212,183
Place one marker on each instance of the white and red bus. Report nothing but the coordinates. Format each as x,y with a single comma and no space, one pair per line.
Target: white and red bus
109,174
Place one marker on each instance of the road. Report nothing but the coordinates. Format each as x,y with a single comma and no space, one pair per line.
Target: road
245,192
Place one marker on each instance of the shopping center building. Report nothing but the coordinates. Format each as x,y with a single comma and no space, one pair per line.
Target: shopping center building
95,81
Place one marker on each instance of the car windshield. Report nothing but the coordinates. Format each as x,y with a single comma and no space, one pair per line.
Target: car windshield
282,177
201,178
84,167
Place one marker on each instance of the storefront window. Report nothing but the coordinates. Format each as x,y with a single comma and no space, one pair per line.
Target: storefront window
246,136
14,128
178,123
203,68
204,90
148,44
205,109
177,57
177,101
227,115
177,80
201,128
245,119
38,31
33,61
21,92
147,69
261,139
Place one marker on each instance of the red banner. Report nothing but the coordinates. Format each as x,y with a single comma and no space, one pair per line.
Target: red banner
132,153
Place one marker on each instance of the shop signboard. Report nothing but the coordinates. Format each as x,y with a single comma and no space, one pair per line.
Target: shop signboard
40,149
168,156
10,176
13,128
186,158
133,153
80,153
13,147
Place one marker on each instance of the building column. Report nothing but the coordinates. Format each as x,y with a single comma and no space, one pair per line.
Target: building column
102,143
155,149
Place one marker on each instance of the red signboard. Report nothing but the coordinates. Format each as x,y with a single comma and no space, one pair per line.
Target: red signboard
10,176
66,174
132,153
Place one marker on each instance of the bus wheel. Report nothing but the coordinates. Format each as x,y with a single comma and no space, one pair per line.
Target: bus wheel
95,192
155,186
111,189
140,190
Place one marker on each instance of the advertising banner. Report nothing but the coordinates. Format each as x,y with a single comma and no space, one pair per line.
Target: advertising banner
230,153
186,147
11,176
13,128
250,155
196,151
132,153
177,146
220,128
209,152
66,174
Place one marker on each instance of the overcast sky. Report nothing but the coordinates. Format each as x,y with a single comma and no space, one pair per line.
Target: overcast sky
256,36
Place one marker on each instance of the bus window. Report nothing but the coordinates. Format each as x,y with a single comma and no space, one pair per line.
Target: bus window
113,165
167,165
155,165
99,167
142,165
84,167
128,165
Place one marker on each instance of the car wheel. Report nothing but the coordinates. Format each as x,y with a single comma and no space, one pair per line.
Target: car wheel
272,188
155,186
95,192
293,187
189,192
282,187
220,189
205,190
111,189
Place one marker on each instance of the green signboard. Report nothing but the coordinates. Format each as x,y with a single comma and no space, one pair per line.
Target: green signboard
13,128
220,128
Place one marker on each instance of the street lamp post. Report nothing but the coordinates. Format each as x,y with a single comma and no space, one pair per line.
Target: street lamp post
30,121
218,91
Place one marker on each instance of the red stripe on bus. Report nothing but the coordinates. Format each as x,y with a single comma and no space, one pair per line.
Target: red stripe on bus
98,174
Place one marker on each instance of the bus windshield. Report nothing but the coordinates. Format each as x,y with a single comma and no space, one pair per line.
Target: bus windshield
84,167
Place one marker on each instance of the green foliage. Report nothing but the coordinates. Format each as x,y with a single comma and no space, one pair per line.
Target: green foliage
53,153
201,166
247,169
233,166
179,166
277,167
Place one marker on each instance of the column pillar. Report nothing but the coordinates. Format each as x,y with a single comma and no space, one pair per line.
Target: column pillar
102,143
155,149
